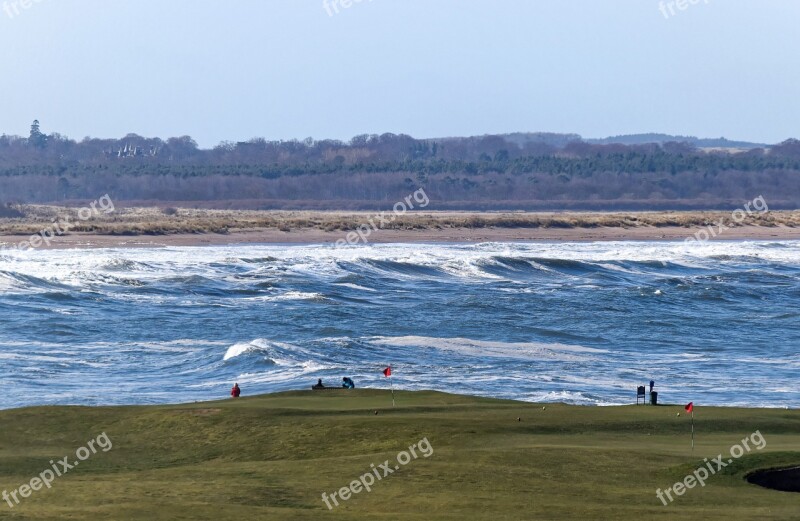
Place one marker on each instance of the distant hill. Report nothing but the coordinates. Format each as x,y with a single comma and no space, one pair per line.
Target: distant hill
641,139
560,141
556,140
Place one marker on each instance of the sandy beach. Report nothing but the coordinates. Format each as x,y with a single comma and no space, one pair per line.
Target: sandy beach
63,227
316,236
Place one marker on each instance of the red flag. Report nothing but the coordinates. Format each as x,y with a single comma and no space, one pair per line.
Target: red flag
387,371
690,407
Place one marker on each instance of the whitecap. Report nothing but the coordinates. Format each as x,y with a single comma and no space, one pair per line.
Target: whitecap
483,348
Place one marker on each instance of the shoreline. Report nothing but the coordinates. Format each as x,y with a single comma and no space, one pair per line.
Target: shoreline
334,391
307,236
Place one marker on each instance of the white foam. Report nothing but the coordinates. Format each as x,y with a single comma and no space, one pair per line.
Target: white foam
236,350
289,295
279,353
80,267
576,398
482,348
354,286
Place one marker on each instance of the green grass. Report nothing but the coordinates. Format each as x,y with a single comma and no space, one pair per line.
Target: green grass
271,457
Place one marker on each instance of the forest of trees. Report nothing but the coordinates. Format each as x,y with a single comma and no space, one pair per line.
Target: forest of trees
516,171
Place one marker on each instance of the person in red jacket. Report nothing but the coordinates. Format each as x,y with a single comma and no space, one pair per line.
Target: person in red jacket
235,391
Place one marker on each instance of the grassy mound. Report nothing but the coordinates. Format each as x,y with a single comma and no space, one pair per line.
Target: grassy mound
272,457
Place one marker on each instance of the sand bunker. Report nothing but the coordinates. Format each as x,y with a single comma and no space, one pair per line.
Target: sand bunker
785,480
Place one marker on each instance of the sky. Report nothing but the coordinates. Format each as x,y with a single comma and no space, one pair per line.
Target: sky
281,69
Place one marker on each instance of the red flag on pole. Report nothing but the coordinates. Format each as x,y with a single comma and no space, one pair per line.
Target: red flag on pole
690,407
387,373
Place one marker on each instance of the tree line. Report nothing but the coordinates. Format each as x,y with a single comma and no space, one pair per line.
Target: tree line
542,171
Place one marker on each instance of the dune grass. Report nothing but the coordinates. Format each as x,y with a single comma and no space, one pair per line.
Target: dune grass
167,221
272,457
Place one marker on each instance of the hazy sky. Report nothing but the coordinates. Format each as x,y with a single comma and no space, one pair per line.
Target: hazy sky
235,69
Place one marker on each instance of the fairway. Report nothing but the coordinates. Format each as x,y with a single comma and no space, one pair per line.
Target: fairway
273,457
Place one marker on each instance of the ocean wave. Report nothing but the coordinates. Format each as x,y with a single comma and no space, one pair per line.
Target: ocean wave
277,353
573,322
568,397
289,295
17,282
483,348
355,286
243,348
125,265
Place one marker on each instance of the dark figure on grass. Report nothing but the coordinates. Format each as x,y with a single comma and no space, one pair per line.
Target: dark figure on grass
347,383
235,391
319,385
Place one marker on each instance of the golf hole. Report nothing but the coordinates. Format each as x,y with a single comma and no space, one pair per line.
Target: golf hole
784,480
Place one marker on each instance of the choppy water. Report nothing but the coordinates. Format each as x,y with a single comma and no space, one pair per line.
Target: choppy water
581,323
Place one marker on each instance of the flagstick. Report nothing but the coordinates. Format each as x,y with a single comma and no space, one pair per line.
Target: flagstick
692,429
391,383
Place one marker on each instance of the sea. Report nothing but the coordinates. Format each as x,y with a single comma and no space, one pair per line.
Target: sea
716,323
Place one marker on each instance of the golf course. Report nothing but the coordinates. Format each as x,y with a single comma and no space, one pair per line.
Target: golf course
274,456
